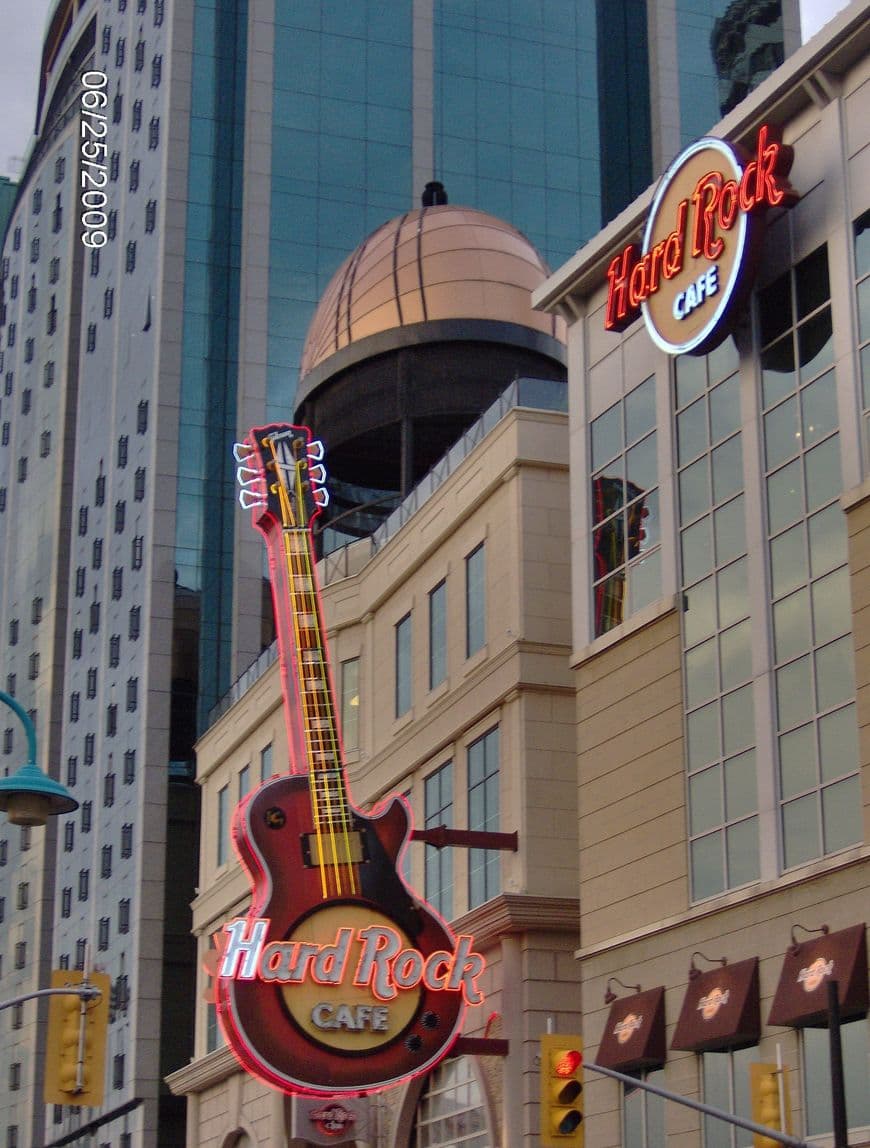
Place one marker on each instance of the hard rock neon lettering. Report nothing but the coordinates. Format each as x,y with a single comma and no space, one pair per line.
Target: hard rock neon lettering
702,224
381,963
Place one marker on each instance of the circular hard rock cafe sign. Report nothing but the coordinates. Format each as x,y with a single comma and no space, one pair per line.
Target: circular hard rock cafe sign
700,244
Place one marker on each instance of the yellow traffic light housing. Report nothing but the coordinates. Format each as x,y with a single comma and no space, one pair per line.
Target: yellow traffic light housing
561,1117
764,1090
75,1057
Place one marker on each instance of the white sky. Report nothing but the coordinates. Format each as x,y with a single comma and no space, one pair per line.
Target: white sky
23,25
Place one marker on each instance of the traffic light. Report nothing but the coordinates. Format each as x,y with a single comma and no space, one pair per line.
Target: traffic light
561,1123
766,1107
75,1056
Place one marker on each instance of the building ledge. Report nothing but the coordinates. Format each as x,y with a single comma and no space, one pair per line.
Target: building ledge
519,913
203,1072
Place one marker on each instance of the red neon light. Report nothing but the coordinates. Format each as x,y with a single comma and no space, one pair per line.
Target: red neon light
635,275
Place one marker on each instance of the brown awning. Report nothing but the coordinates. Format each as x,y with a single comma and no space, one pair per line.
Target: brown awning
720,1010
634,1036
801,998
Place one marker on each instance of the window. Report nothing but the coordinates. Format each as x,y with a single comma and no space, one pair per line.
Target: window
134,179
48,374
139,57
626,558
54,270
10,685
103,934
817,742
10,336
91,344
108,302
154,133
112,224
15,1076
484,867
74,705
4,437
350,703
2,498
438,810
132,694
36,611
23,895
120,45
80,581
4,851
33,666
90,742
114,166
34,250
127,840
71,770
26,400
266,762
81,949
244,781
31,298
118,1071
106,861
66,902
57,216
94,626
158,14
452,1099
29,345
77,638
142,417
13,287
106,39
124,915
51,318
136,551
134,622
111,719
437,635
403,665
725,1077
117,583
20,954
123,446
130,258
95,262
156,71
13,631
120,515
475,601
45,444
129,766
115,650
16,239
36,201
139,484
100,490
150,215
92,682
60,167
223,807
83,520
84,884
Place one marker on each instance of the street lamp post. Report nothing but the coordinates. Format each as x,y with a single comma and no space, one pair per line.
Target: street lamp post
29,797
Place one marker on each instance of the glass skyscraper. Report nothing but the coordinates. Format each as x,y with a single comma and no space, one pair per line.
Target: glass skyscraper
248,148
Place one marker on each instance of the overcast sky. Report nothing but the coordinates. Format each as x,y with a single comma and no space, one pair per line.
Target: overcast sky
22,26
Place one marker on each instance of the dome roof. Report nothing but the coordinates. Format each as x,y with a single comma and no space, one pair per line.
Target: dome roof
430,264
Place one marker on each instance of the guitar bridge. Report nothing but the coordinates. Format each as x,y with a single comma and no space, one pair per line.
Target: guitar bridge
338,849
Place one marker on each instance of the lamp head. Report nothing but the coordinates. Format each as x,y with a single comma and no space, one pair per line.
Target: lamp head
28,797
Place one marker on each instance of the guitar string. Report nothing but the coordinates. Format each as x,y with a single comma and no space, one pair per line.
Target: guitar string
324,791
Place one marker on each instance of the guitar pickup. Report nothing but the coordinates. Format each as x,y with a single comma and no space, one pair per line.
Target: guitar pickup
338,848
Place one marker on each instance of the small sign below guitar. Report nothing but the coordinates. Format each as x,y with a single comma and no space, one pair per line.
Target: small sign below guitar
339,979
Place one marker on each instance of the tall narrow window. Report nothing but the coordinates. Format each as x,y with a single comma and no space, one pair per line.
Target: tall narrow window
403,665
350,703
475,601
266,762
484,873
223,808
438,810
437,635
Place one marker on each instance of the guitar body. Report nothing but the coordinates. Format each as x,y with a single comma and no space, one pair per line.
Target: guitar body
275,836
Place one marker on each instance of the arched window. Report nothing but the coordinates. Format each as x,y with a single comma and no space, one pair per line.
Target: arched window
451,1109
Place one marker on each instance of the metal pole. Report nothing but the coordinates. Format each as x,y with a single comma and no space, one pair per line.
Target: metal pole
25,721
838,1084
86,992
707,1109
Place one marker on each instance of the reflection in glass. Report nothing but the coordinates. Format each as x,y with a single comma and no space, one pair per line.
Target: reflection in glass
723,360
827,537
606,437
797,761
697,550
694,490
699,605
741,845
736,654
729,532
784,498
822,465
705,800
733,592
788,564
727,469
832,607
725,409
812,284
691,372
800,830
817,1076
640,463
794,693
819,409
640,411
708,876
702,733
781,433
815,345
738,720
841,814
645,581
692,431
791,625
774,308
608,493
777,371
741,791
838,743
701,678
835,677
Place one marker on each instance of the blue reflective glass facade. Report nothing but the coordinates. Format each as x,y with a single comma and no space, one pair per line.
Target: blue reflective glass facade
205,500
724,50
341,155
516,115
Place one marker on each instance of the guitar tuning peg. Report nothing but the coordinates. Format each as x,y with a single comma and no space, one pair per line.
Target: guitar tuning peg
242,451
245,475
317,473
321,496
251,499
315,450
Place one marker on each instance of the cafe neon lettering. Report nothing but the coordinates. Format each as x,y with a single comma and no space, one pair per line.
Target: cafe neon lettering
697,241
383,967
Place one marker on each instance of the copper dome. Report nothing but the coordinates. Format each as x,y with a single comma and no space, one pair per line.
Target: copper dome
434,263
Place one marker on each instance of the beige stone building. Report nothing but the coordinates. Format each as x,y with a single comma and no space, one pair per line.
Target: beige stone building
720,658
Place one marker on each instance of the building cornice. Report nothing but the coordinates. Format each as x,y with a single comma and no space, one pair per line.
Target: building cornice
519,913
203,1072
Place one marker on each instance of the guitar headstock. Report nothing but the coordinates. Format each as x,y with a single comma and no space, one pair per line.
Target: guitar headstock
281,475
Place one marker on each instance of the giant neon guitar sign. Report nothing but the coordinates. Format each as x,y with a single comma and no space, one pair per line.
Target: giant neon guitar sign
338,980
